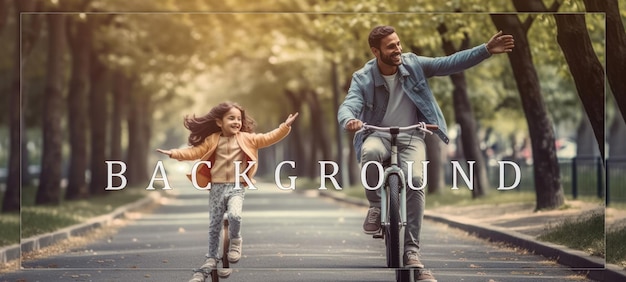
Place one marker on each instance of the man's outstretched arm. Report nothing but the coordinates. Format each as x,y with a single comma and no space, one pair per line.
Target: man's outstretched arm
465,59
500,43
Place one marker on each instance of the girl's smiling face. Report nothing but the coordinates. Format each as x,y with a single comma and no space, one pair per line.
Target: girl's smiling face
230,122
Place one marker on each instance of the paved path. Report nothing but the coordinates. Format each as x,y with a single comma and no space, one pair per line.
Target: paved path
287,237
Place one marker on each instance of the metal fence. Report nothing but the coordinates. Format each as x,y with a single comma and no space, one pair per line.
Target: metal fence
581,177
590,177
615,180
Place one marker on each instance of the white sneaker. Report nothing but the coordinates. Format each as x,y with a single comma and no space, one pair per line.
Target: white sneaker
234,250
210,263
197,277
224,272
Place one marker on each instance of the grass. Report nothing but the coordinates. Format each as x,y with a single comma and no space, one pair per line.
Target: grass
10,222
616,254
40,219
585,234
10,231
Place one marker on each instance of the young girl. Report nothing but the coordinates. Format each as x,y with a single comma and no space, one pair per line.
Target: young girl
223,137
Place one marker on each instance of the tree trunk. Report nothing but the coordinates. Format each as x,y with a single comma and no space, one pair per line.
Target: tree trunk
341,160
615,48
586,145
617,135
49,191
311,144
137,172
320,135
134,140
317,114
465,118
434,154
30,24
548,190
17,143
121,90
79,40
318,124
585,68
12,195
471,148
31,29
297,148
98,109
352,165
4,13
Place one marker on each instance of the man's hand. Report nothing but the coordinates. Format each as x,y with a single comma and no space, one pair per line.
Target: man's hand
500,43
354,125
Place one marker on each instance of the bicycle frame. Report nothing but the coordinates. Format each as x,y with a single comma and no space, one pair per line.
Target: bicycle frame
393,168
393,198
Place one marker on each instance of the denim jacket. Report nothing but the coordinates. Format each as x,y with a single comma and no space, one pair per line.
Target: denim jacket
368,95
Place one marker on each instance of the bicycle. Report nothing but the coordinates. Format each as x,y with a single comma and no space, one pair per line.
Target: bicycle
393,205
201,274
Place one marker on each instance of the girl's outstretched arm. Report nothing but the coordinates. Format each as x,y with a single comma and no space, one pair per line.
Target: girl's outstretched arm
262,140
186,154
291,118
166,152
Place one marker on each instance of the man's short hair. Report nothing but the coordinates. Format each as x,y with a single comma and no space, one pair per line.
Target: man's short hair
379,33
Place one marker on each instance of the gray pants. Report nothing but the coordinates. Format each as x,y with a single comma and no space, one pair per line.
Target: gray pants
411,147
224,198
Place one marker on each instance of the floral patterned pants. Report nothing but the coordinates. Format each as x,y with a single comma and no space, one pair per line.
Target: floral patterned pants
224,198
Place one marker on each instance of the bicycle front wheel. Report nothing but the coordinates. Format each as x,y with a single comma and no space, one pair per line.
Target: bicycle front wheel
392,230
225,243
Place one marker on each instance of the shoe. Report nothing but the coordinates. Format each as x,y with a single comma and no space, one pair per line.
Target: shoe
372,221
411,259
234,250
209,264
224,272
424,275
197,277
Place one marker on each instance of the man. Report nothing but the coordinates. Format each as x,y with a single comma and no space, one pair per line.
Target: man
391,90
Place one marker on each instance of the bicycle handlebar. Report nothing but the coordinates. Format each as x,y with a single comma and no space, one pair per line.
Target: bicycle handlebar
420,126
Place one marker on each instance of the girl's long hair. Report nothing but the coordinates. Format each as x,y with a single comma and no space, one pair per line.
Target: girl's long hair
205,125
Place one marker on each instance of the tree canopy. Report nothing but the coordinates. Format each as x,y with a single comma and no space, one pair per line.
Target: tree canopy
169,59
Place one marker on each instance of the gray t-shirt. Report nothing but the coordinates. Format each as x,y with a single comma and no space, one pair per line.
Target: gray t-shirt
400,110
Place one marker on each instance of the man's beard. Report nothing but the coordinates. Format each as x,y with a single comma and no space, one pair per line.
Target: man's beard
389,61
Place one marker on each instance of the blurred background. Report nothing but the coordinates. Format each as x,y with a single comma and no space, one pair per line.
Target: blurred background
112,80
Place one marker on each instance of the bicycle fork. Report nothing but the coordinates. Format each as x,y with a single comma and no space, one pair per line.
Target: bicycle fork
383,195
